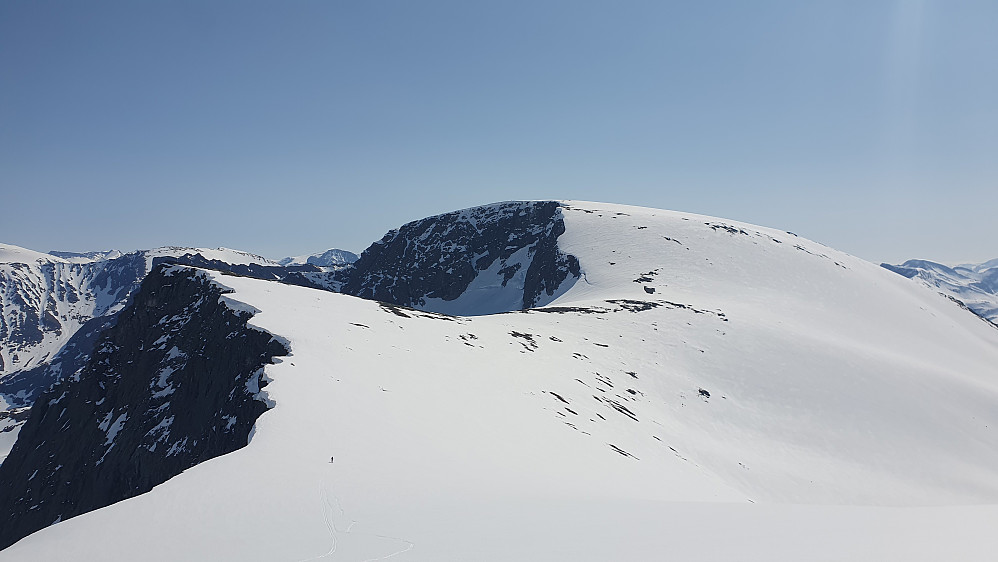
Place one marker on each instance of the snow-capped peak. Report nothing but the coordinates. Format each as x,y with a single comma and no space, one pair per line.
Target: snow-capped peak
331,257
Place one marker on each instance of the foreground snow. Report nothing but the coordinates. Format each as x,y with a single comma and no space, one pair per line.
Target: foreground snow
709,390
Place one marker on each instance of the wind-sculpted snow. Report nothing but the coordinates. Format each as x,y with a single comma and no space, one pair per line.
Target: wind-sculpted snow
974,285
176,381
482,260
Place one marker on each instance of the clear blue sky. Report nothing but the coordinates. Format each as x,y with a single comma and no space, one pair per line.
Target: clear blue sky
290,127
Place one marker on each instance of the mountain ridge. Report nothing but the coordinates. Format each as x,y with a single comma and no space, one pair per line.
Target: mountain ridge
691,362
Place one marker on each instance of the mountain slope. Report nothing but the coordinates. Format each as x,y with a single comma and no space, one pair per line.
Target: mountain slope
697,365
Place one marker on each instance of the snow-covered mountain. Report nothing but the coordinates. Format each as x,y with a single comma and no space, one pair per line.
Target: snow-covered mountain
47,298
975,285
332,257
683,387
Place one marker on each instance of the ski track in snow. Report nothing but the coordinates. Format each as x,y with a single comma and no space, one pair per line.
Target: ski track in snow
330,525
328,512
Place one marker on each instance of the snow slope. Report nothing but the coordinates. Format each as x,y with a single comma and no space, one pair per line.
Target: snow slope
707,390
16,254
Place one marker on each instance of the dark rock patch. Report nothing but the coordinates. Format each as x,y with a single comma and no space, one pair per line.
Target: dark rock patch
621,451
726,228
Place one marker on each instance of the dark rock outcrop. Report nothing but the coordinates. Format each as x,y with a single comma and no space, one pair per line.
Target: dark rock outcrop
176,381
439,257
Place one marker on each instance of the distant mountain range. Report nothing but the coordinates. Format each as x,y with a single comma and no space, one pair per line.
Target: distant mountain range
328,258
975,285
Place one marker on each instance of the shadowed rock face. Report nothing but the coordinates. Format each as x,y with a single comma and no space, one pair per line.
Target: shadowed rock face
439,257
176,381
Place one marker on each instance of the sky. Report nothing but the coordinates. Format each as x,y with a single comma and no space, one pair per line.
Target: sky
285,128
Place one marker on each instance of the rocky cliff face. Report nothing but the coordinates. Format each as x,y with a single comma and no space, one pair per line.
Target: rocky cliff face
481,260
174,382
